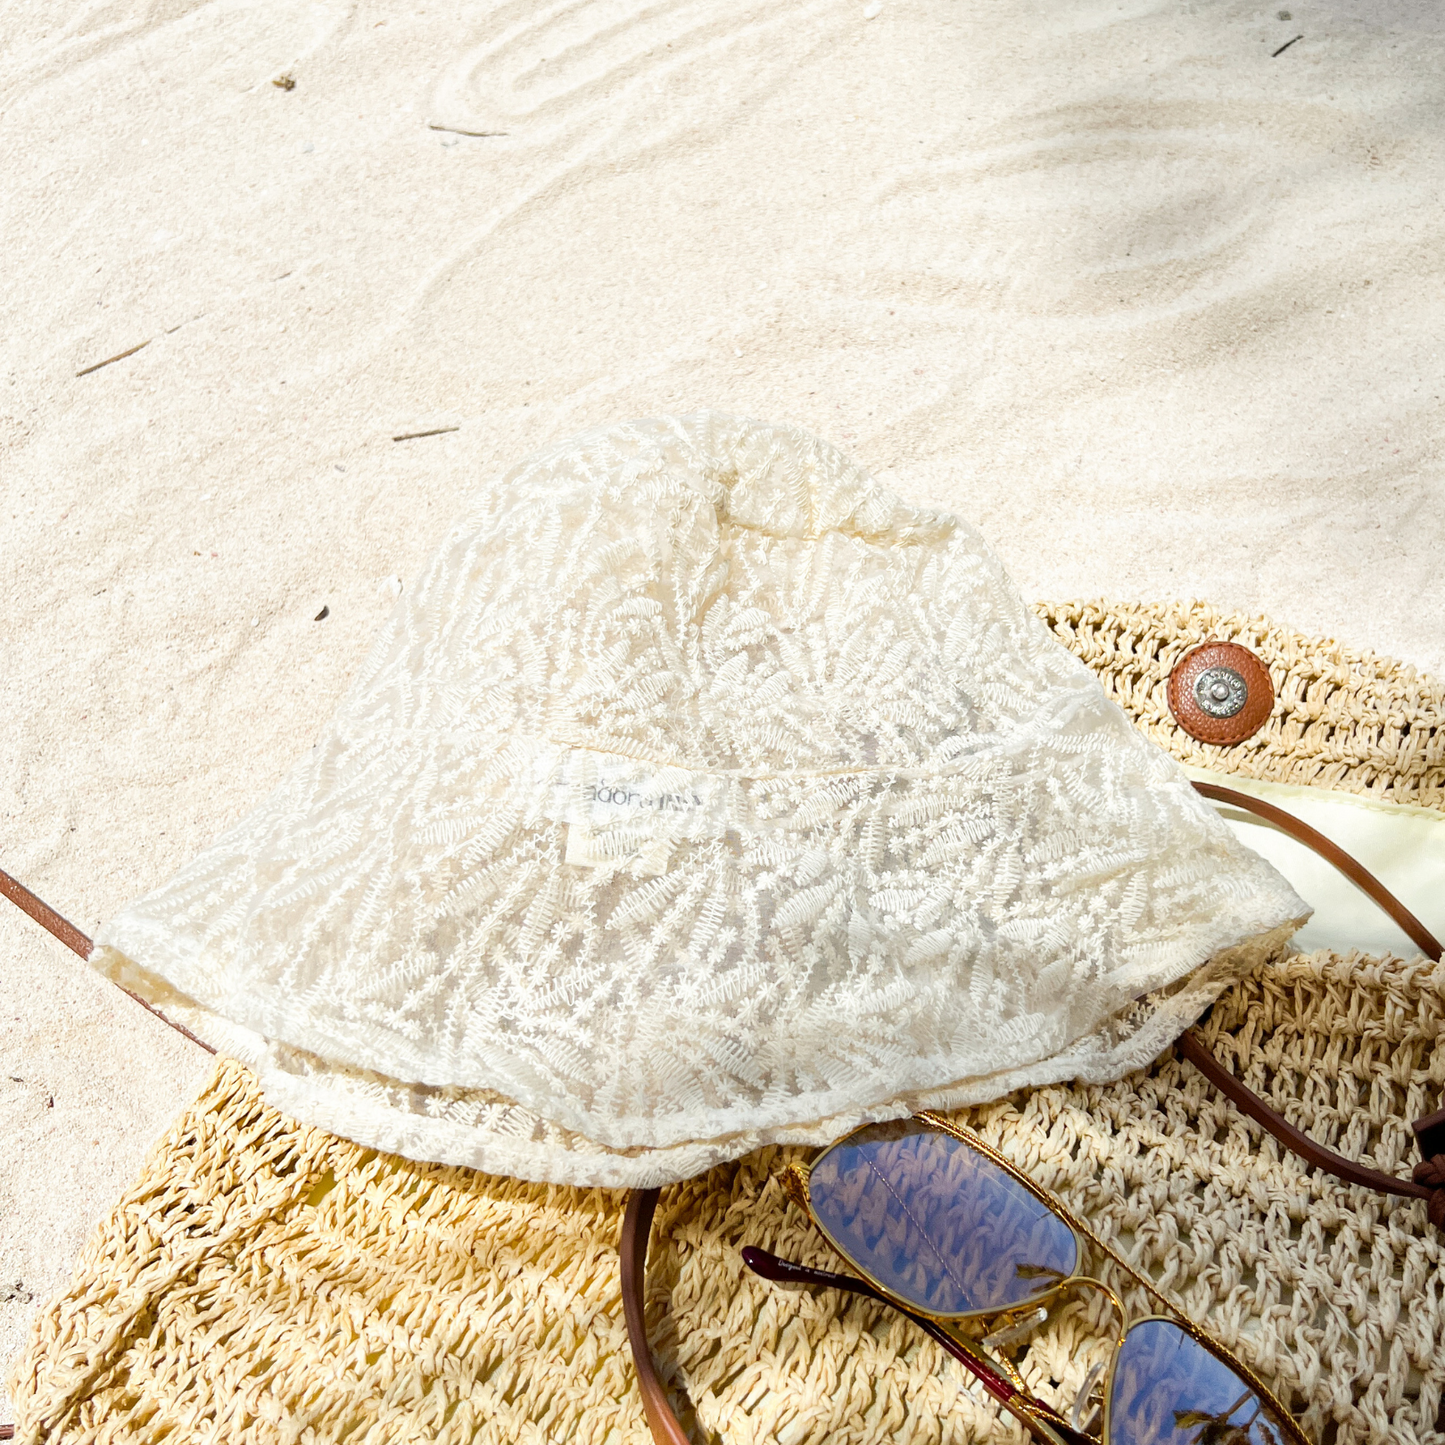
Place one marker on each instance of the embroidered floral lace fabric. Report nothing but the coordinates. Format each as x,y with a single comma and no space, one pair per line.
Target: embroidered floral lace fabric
701,794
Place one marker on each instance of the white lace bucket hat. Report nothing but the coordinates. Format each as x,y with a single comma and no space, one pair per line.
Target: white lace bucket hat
700,795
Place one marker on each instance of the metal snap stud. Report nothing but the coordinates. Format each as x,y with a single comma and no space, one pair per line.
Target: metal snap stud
1221,691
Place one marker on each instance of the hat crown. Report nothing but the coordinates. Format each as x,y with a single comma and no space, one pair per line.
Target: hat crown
703,593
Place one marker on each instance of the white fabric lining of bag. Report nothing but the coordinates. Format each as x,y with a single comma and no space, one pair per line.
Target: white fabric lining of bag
1402,845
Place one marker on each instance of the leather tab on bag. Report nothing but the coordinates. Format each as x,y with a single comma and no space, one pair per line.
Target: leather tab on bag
1431,1173
1430,1133
1221,693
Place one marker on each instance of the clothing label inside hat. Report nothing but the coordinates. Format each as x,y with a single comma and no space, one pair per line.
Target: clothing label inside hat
623,796
602,792
642,800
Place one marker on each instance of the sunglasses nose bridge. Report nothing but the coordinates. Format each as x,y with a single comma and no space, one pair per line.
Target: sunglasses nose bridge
1086,1282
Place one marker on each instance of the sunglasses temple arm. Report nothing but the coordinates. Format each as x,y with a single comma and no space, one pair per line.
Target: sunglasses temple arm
784,1271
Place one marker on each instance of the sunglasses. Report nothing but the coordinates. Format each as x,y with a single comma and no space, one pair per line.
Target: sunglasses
943,1227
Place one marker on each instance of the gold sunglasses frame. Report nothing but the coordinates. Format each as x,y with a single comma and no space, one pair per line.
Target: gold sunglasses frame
1033,1412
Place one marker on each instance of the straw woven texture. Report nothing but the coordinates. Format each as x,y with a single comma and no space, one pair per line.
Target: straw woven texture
267,1282
1342,719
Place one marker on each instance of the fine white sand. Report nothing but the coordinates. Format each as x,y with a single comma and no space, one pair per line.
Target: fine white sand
1162,313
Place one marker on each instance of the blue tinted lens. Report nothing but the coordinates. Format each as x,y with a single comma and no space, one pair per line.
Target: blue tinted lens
935,1222
1169,1390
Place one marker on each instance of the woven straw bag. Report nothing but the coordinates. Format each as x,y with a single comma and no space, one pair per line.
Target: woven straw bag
268,1282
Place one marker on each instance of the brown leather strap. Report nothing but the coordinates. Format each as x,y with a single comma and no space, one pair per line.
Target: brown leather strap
1250,1103
636,1229
1429,1175
77,942
44,915
1333,854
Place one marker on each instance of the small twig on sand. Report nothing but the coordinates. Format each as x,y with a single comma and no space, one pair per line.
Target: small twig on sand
119,356
432,125
1286,46
411,436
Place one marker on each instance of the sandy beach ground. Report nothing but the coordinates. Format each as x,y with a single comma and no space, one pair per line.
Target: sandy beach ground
1159,309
